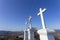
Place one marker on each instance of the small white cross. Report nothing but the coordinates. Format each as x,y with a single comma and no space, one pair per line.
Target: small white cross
42,18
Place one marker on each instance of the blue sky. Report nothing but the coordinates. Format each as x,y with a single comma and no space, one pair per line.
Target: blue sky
14,14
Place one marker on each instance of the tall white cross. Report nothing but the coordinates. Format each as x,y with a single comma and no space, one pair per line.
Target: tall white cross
42,18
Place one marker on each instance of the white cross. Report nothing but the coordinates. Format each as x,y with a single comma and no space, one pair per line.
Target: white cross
42,18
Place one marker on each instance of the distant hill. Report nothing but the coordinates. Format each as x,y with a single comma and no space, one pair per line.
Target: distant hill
5,33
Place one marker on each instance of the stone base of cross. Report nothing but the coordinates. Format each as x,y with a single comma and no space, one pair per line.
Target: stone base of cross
46,34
